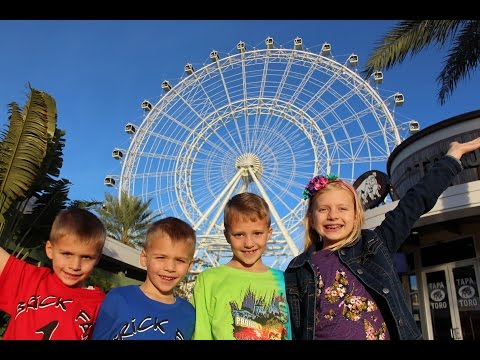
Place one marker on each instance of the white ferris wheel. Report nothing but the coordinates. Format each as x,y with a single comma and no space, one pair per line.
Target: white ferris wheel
261,120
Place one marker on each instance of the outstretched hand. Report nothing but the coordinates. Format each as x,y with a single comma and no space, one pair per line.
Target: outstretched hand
457,149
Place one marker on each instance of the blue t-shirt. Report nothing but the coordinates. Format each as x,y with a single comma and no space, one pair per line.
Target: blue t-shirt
128,314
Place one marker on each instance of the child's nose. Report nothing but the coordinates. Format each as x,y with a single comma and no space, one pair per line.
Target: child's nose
170,265
76,263
248,241
333,214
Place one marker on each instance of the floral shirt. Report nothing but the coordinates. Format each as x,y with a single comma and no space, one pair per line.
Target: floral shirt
344,309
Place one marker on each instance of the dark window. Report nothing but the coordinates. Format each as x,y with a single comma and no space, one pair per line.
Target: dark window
446,252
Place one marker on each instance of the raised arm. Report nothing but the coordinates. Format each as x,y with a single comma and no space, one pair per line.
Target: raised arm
457,149
421,197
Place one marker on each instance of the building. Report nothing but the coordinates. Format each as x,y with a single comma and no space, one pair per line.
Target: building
118,257
442,255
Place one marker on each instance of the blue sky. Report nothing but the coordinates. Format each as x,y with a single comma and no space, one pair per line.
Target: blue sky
99,72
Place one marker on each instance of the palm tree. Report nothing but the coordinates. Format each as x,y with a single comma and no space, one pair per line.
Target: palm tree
412,36
28,223
126,219
30,158
85,204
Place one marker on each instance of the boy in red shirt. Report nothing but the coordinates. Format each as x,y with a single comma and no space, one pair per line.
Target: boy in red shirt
46,305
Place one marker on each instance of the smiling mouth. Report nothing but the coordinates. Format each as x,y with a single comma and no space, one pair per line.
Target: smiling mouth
167,278
71,275
333,227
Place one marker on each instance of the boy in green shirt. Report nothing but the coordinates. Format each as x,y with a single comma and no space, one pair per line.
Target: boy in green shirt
243,299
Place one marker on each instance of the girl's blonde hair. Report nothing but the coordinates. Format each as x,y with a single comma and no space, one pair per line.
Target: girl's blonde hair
312,237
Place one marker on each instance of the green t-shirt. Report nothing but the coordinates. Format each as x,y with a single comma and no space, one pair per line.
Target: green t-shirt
234,304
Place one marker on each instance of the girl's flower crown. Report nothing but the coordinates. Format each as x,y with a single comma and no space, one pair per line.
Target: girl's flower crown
319,182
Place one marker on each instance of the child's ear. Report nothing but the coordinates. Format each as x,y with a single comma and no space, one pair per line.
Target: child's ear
49,249
143,258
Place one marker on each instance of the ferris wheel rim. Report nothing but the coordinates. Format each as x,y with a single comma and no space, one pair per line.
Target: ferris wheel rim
303,115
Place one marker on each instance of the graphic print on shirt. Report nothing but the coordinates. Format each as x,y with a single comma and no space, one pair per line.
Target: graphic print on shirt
148,323
345,303
37,303
260,317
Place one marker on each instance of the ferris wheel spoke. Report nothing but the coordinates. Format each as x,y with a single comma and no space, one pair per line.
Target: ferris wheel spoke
232,112
320,92
283,81
278,220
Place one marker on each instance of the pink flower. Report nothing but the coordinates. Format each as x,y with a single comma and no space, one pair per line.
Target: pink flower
317,183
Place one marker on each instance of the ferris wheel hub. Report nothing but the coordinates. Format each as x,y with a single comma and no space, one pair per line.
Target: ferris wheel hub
249,161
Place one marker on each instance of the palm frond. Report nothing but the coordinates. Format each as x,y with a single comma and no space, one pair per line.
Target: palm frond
462,60
51,114
126,219
24,146
85,204
409,37
35,228
51,165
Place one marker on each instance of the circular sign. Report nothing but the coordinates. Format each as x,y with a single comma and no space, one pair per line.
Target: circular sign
372,187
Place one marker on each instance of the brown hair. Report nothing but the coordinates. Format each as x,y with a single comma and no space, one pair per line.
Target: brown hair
81,223
312,237
177,230
248,205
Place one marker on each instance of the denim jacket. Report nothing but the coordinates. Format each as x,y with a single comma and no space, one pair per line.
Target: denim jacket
370,258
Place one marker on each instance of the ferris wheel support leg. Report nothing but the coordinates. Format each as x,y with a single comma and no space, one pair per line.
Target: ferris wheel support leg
230,189
224,196
275,215
229,186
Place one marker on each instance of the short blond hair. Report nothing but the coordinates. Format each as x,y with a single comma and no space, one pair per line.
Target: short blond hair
177,230
246,205
82,224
